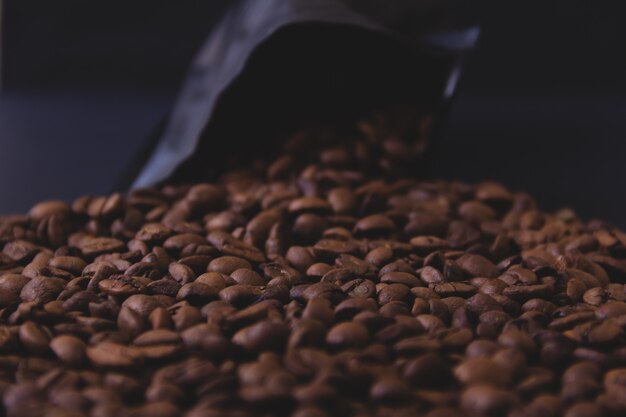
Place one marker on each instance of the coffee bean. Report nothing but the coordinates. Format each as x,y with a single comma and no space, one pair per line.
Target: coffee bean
94,246
13,282
327,290
526,292
347,335
517,340
42,289
163,286
49,208
34,337
477,266
20,250
324,282
374,225
159,318
453,289
158,344
428,244
111,355
123,286
331,248
180,241
476,212
430,275
204,196
393,292
389,390
265,335
246,276
228,245
71,264
238,295
379,256
153,233
213,279
483,371
428,370
487,400
181,273
228,264
129,322
197,293
184,315
425,224
69,349
359,288
404,278
309,205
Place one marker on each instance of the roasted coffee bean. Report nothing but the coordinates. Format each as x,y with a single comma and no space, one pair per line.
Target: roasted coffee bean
165,286
483,371
213,279
264,335
228,245
20,251
197,293
94,246
159,318
428,370
123,286
71,264
393,292
487,400
180,241
158,344
347,335
13,282
309,204
49,208
331,248
404,278
246,276
228,264
143,304
42,289
69,349
359,288
181,273
374,225
477,266
184,315
112,355
129,322
324,282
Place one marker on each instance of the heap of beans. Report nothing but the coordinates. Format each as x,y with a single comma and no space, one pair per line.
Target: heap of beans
322,283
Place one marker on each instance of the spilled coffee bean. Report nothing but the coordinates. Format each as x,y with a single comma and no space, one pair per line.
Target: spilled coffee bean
326,282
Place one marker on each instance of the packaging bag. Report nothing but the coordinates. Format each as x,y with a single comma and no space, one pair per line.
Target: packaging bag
270,64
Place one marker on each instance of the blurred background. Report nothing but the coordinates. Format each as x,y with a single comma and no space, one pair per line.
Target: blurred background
541,106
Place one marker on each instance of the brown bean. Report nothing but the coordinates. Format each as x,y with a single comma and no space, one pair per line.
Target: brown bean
487,400
347,335
264,335
112,355
69,349
42,289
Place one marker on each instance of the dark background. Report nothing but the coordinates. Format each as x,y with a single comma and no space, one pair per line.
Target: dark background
542,105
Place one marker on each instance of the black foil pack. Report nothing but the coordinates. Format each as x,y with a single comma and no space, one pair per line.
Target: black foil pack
270,65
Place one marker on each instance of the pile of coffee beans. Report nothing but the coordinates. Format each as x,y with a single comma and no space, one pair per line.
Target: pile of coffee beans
325,282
